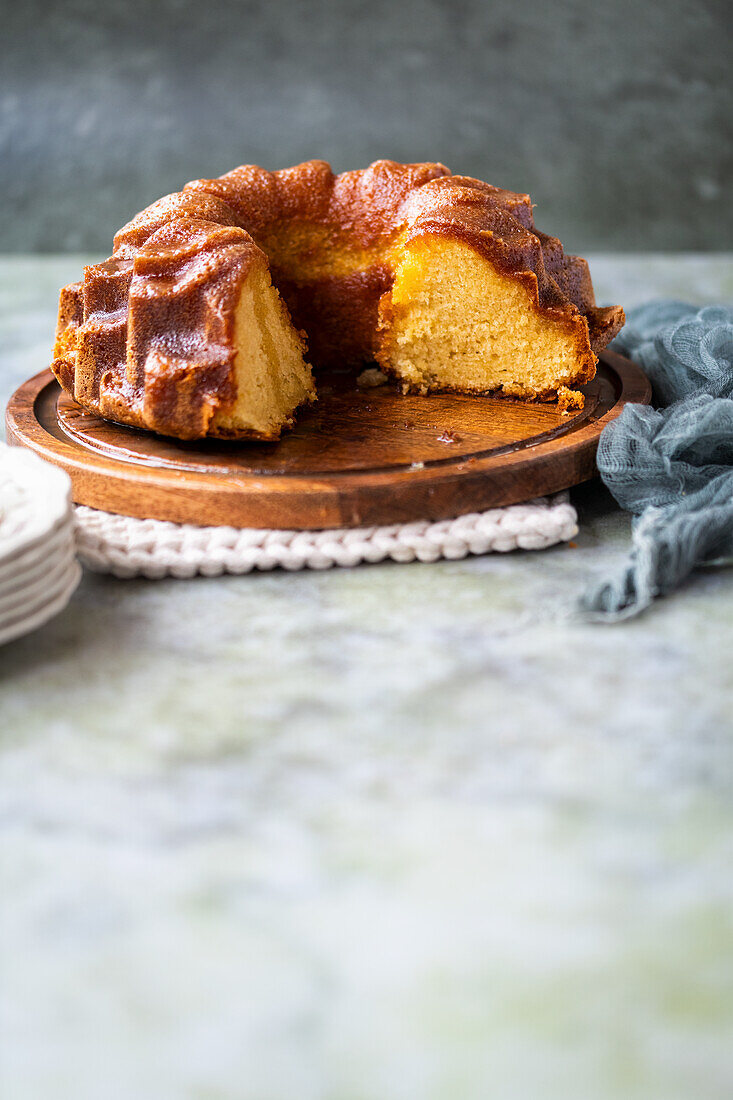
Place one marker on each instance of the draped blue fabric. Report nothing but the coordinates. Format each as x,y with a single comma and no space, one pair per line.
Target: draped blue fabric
671,463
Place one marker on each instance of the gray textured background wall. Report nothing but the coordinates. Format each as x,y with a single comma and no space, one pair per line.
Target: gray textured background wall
615,115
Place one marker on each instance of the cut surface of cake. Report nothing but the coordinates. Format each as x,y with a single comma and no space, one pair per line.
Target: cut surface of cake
452,322
198,323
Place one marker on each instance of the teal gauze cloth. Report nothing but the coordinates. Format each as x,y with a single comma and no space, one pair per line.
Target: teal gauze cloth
671,463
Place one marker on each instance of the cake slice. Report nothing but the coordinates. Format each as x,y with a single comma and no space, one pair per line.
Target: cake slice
502,313
188,339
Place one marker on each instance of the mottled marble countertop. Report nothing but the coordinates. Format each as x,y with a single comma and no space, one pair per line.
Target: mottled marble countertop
396,833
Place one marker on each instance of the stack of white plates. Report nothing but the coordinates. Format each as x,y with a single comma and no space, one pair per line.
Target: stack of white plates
38,567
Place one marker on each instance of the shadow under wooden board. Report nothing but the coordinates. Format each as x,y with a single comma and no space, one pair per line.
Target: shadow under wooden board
358,457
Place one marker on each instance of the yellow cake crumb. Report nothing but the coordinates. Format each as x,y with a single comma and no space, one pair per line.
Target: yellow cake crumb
569,400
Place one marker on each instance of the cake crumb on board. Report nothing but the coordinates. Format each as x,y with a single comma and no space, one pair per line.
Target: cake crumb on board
370,378
569,400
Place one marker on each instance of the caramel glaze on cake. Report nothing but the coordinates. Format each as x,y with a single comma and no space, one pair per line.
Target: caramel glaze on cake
442,279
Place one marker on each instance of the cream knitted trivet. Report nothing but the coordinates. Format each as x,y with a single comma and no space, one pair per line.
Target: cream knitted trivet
130,547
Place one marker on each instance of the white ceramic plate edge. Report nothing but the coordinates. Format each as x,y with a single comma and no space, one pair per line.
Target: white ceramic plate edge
42,614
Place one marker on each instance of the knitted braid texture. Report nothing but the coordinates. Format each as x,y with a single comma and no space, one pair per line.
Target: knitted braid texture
129,547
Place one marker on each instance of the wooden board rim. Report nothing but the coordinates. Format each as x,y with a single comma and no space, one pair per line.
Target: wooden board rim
440,490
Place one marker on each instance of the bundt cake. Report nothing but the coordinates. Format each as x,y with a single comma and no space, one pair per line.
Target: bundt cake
198,323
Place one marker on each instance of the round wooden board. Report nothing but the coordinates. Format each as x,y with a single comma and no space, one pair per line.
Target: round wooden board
358,457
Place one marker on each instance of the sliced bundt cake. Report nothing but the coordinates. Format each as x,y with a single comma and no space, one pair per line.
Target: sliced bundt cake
196,325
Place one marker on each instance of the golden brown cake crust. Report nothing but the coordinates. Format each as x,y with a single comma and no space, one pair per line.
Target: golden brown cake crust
147,338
